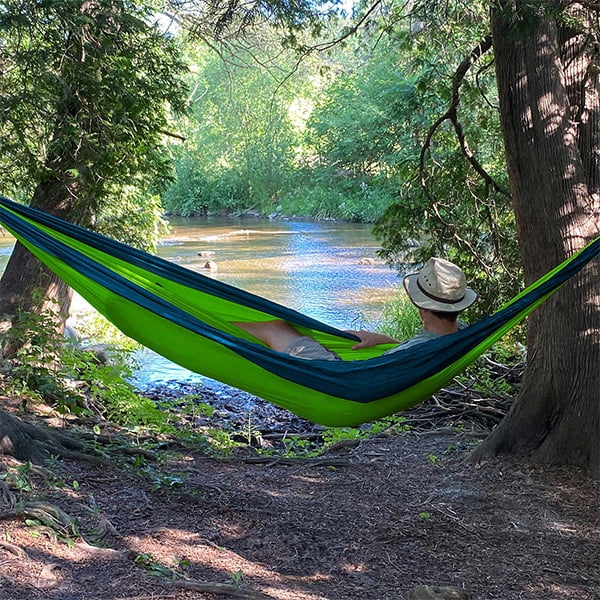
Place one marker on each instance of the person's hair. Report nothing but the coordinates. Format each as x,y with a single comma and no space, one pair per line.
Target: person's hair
447,316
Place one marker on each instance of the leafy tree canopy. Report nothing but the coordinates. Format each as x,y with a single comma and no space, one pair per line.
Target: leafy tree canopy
84,94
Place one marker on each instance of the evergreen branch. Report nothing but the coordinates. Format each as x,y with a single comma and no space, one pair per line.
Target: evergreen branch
452,116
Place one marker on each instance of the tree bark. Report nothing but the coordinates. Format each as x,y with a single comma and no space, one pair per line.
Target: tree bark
26,284
33,443
549,105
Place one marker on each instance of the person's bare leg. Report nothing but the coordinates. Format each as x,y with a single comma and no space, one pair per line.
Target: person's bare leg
276,334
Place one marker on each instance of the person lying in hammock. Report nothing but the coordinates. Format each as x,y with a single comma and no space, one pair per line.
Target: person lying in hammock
439,291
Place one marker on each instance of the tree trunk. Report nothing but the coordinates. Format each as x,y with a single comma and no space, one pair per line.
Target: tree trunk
27,285
549,105
36,443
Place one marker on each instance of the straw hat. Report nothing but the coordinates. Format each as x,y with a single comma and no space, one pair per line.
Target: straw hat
440,286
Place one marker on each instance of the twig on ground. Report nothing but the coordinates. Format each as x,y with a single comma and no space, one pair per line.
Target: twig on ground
224,589
16,550
287,460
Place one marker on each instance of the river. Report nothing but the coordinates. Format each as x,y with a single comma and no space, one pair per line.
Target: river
327,270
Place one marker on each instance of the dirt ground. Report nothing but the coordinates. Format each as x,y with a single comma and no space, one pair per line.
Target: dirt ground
370,521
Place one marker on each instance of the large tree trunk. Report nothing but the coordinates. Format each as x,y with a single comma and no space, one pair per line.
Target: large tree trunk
549,104
35,443
29,286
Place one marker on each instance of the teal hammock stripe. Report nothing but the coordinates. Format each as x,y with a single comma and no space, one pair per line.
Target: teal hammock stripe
187,317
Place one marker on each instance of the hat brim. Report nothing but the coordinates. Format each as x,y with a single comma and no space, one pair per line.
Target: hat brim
419,299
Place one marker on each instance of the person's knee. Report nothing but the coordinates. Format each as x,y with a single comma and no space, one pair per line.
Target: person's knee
276,334
279,335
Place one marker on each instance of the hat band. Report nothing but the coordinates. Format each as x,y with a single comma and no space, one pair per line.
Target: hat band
437,299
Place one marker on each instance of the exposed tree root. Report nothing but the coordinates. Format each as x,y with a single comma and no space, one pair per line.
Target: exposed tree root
33,443
103,553
49,515
104,527
55,522
6,496
47,577
29,442
16,550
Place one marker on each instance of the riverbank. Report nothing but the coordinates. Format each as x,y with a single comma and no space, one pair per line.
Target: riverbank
472,405
396,516
245,417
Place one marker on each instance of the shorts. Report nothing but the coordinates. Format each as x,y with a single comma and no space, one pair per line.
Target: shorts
309,349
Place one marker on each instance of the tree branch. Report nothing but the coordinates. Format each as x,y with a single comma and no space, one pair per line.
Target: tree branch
177,136
451,115
326,45
350,31
225,589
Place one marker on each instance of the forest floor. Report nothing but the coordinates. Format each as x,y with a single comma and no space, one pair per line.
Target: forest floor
370,519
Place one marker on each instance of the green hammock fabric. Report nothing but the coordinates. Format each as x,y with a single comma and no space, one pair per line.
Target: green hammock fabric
186,317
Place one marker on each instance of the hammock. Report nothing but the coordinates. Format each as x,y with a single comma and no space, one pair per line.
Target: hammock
187,317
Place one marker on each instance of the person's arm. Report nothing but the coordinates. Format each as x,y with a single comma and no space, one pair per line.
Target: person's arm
371,338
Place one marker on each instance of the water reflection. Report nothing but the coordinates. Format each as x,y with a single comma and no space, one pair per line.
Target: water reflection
329,271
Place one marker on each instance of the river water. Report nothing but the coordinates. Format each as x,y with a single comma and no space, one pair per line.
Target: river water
327,270
6,245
